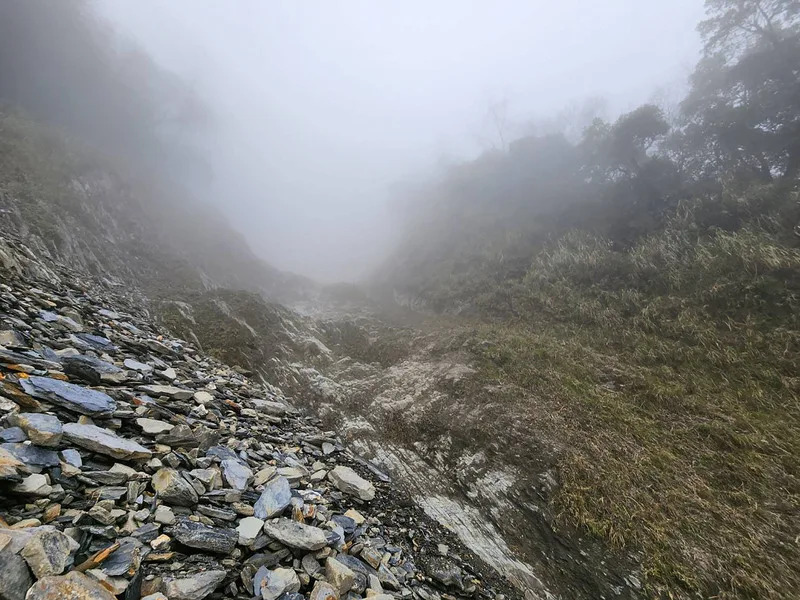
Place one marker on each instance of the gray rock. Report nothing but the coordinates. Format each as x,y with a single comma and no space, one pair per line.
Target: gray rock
135,365
16,577
41,429
349,482
72,586
271,584
323,591
236,474
164,515
387,578
12,339
275,409
310,565
274,499
13,435
93,370
202,537
34,485
104,441
47,553
248,530
296,535
339,575
73,397
154,426
170,391
33,456
89,341
196,587
173,489
179,436
125,560
72,457
10,466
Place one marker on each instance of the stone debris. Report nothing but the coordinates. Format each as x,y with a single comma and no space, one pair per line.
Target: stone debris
133,466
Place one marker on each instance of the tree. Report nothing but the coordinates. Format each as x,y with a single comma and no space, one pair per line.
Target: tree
743,111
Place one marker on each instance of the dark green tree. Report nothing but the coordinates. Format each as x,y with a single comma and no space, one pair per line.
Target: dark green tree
742,115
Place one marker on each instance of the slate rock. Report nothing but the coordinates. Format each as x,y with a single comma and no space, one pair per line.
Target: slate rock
93,370
15,576
10,466
173,489
48,553
202,537
236,474
135,365
154,426
339,575
34,485
195,587
296,535
349,482
323,591
32,455
93,342
274,499
73,586
41,429
170,391
104,441
70,396
125,560
248,530
271,584
13,435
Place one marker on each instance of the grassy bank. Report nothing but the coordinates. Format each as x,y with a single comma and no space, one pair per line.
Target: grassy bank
676,364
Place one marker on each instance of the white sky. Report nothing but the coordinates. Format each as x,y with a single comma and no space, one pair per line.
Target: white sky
321,105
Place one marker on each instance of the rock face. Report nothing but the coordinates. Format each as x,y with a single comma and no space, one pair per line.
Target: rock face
210,485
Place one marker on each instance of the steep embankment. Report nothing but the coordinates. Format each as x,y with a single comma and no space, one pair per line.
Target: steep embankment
132,466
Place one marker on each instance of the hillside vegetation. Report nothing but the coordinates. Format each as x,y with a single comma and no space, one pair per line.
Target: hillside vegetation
644,283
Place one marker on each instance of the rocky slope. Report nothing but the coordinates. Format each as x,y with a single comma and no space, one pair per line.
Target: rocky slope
132,465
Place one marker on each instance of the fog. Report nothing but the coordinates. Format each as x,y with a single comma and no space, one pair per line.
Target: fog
319,109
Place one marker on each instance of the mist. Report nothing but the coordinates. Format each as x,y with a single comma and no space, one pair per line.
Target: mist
320,108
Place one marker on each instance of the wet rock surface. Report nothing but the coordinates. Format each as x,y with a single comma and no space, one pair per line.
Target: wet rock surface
134,466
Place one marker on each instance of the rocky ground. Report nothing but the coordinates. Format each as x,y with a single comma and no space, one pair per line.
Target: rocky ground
134,466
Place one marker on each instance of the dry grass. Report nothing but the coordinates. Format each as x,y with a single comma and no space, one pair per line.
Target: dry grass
679,365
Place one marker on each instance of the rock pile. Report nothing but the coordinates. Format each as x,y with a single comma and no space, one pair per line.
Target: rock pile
133,466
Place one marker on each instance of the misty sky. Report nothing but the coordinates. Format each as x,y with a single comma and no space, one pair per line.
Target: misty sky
321,106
